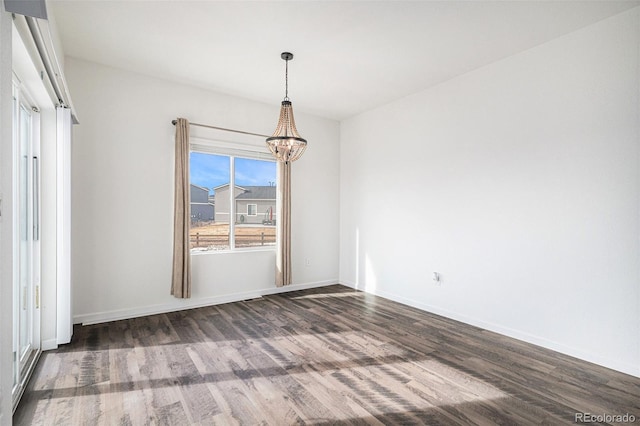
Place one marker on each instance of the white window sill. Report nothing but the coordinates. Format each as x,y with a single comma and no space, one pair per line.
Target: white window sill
234,251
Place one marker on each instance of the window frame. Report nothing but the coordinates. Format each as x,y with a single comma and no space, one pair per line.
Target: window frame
233,150
255,209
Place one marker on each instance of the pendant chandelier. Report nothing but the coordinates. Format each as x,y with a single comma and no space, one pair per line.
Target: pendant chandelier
286,144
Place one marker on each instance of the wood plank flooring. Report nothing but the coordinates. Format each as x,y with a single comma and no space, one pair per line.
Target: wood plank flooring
323,356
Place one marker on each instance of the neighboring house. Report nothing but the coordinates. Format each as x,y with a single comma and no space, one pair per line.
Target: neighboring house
202,205
253,204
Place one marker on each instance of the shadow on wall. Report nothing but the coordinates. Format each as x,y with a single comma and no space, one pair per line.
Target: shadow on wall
370,281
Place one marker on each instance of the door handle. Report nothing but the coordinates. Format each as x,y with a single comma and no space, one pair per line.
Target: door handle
36,199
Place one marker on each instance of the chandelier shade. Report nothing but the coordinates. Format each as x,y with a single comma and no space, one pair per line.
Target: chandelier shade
286,144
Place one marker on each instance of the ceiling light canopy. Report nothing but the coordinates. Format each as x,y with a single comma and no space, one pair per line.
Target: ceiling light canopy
286,144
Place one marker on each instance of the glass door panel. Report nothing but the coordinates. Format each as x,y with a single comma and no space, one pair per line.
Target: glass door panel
25,228
26,312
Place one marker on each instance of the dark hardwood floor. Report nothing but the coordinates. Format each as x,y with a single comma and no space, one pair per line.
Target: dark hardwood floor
323,356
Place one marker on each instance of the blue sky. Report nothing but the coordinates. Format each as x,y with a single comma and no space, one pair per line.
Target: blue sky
210,170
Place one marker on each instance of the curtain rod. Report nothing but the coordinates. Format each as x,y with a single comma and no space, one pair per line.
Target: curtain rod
222,128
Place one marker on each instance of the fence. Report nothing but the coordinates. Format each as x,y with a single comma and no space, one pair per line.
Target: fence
252,240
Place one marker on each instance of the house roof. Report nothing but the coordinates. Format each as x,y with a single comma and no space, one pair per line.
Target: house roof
253,192
200,187
258,193
225,185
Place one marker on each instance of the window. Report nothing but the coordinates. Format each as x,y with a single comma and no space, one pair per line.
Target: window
233,201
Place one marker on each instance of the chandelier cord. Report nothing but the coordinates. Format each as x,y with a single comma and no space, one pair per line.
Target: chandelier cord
286,80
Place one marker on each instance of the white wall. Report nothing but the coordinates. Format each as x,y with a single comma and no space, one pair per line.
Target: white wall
122,164
519,182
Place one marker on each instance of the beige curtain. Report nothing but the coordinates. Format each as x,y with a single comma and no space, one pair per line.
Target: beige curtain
283,239
181,280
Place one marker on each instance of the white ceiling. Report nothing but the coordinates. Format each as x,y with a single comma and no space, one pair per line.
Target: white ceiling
349,56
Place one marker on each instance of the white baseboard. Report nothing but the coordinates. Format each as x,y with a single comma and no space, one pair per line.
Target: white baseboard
183,304
626,368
